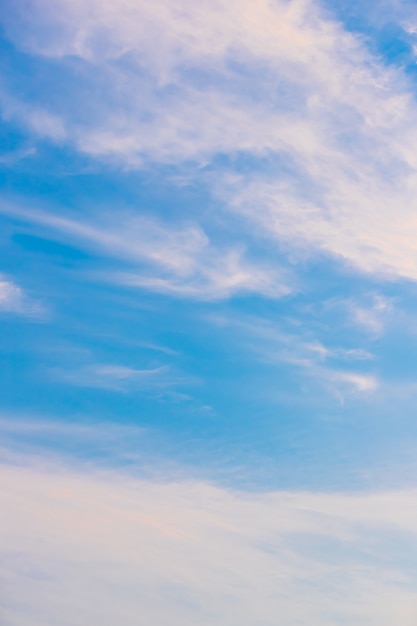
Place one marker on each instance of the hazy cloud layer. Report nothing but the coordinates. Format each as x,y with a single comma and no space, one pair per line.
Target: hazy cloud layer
106,548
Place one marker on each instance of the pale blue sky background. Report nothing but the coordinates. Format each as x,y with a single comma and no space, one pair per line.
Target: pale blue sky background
207,299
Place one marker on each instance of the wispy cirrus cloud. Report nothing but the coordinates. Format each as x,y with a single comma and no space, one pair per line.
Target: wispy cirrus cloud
341,370
121,378
372,318
116,377
172,259
343,383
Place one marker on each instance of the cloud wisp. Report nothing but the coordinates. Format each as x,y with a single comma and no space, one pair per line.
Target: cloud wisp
11,297
342,371
119,378
14,300
180,261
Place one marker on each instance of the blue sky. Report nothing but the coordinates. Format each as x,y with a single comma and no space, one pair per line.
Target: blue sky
207,302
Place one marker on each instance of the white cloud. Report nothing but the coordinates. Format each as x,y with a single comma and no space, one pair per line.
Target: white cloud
347,354
163,257
298,62
374,317
11,297
281,81
360,383
84,547
35,118
215,276
14,300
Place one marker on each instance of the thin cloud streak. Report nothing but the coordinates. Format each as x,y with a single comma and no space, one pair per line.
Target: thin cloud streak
334,368
120,378
178,261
